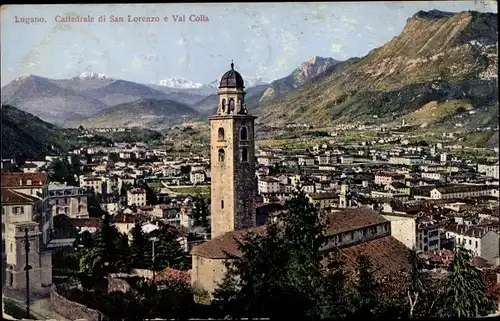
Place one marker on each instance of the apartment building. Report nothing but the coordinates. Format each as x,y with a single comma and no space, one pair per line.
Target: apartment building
461,191
136,196
25,208
268,185
388,178
481,241
68,200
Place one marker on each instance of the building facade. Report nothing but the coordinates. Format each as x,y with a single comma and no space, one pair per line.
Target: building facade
25,206
68,200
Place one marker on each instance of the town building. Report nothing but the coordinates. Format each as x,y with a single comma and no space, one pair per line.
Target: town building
68,200
136,196
25,207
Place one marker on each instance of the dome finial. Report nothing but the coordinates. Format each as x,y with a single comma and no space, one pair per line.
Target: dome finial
232,64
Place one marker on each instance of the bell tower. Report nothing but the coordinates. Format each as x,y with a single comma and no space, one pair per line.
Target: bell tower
232,150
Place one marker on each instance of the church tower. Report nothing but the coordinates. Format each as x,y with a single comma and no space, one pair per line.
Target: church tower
232,160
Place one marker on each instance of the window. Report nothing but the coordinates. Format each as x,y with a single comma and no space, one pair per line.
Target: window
223,106
231,105
243,133
244,155
220,134
241,105
476,244
11,247
222,204
18,210
470,242
221,155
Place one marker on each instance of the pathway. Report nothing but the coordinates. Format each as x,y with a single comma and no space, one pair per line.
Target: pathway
40,306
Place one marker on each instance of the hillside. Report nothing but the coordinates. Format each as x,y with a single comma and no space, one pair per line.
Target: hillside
256,95
28,135
46,99
438,57
150,113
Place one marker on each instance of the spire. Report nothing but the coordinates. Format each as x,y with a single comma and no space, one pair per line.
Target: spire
232,64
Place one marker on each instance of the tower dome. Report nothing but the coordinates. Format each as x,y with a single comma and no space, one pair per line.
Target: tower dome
231,79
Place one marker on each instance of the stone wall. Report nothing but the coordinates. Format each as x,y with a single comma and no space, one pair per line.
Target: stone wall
206,273
73,310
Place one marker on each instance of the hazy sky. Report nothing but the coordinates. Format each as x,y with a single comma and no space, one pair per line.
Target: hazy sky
265,40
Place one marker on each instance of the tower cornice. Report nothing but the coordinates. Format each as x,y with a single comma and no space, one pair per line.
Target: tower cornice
231,116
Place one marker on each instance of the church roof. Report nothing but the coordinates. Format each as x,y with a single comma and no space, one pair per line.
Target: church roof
338,222
231,79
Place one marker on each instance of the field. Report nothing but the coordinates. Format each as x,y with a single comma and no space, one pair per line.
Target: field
191,190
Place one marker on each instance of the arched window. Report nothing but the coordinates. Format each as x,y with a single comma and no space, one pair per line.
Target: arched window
241,106
11,247
223,106
231,105
221,155
243,133
222,204
244,155
221,134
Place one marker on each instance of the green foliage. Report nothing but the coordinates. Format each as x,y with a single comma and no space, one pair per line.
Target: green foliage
465,294
168,252
63,171
94,204
200,214
139,246
109,252
27,135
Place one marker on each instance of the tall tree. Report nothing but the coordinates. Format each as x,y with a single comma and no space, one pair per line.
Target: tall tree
168,251
465,293
138,247
366,288
279,273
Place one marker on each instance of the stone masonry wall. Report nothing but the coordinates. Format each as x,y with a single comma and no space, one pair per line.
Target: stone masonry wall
73,310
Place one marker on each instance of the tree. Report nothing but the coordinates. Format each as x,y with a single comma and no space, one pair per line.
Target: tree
416,288
94,204
366,288
138,247
168,251
465,291
279,274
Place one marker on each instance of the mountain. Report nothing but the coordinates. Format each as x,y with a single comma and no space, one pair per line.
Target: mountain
123,91
179,83
151,113
46,99
307,71
27,135
448,59
258,91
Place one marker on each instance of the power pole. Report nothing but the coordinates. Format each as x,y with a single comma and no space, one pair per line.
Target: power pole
27,268
153,240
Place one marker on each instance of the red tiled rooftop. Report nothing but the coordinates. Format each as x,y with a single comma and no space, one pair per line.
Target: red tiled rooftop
12,197
352,219
21,179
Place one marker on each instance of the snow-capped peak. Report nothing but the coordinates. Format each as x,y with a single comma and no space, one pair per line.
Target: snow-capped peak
179,83
94,75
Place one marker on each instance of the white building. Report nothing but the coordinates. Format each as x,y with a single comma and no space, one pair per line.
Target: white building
68,200
482,242
461,191
268,185
136,196
421,236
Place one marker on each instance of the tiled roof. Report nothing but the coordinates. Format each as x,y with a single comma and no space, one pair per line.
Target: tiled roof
217,247
352,219
174,275
323,196
346,220
12,197
386,254
86,222
21,179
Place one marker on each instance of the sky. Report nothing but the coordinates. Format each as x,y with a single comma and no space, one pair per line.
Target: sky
267,40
